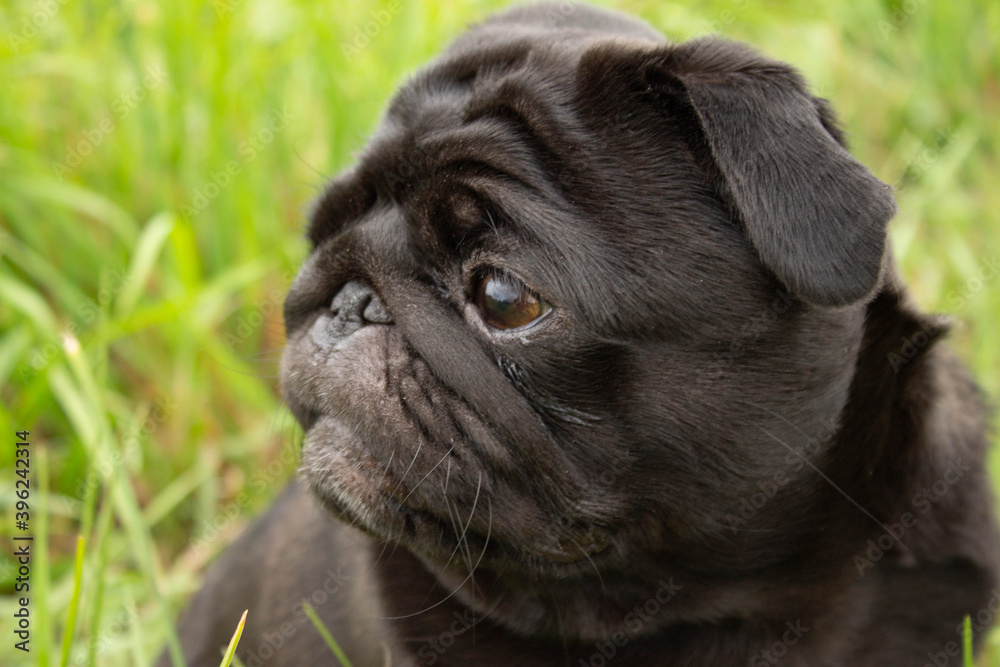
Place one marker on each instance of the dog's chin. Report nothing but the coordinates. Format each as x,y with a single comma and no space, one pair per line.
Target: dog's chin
360,490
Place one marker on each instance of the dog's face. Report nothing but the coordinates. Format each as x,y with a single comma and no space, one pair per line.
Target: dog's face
583,295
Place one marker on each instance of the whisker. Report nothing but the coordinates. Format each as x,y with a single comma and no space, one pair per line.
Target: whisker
450,595
589,560
446,455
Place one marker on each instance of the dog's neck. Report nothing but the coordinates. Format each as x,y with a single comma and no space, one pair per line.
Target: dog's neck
437,614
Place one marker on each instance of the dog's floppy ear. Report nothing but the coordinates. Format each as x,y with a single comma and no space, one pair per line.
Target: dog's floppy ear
816,215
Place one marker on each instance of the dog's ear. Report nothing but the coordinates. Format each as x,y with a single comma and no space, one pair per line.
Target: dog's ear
816,216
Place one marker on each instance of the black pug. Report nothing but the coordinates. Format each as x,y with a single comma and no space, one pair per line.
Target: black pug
602,359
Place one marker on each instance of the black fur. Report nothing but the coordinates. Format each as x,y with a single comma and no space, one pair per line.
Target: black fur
717,449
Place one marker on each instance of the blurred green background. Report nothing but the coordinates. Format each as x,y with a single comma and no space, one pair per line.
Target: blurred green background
156,165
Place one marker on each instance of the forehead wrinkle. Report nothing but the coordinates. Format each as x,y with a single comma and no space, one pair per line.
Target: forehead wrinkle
484,143
453,79
487,150
464,68
513,87
413,171
529,121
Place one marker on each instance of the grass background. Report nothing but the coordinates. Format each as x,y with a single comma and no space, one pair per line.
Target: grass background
150,221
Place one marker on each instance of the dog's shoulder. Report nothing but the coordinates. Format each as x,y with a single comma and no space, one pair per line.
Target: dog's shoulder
295,553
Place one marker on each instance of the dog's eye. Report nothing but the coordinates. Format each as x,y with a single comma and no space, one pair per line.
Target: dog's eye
506,302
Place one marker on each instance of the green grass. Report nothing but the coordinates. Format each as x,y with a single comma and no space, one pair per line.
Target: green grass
141,282
328,639
74,604
227,658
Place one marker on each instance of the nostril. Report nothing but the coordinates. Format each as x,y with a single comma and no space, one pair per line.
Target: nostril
357,302
307,417
376,312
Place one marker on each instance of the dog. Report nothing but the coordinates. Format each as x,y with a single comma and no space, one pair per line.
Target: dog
602,358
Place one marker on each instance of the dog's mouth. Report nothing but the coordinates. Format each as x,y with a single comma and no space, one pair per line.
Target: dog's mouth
365,492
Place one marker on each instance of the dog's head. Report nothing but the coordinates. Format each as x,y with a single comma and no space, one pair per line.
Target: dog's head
585,294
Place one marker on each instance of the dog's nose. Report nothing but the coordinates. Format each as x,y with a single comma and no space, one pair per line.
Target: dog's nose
357,302
355,306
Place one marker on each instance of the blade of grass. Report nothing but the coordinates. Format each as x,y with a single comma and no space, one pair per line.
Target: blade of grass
97,606
41,549
325,634
144,256
21,297
231,651
80,199
174,493
89,417
139,533
62,285
967,642
135,635
74,602
13,346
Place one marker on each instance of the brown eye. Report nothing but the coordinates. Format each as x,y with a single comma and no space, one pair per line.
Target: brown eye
506,302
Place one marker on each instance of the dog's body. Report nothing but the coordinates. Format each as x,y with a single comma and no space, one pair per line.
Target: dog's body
601,346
